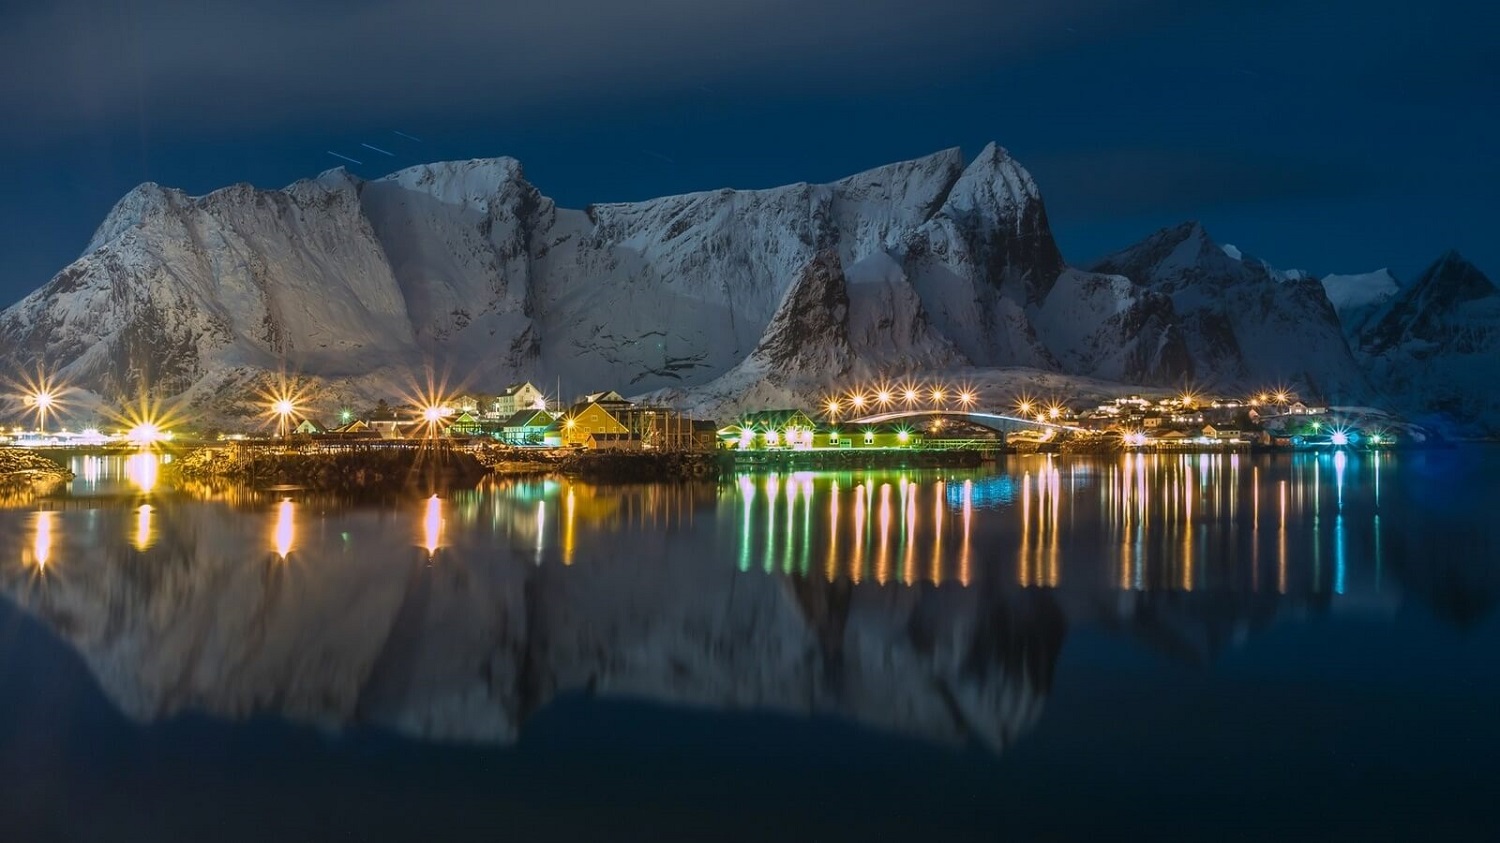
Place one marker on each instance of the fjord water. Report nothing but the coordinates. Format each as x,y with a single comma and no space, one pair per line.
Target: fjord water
1144,647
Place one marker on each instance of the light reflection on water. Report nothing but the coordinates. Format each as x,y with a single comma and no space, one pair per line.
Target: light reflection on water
934,603
1134,523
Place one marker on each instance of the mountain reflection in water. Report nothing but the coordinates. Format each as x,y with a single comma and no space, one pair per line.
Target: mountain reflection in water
929,603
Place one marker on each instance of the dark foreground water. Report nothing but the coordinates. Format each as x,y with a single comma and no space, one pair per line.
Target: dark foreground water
1199,647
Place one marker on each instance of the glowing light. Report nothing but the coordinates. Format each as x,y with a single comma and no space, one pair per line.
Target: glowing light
1339,439
909,395
143,470
903,436
41,396
883,397
1135,438
966,398
432,526
144,435
858,400
41,544
1024,406
432,414
143,537
1054,411
283,531
833,406
937,395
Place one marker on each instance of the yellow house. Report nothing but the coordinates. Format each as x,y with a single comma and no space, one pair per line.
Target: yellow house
585,419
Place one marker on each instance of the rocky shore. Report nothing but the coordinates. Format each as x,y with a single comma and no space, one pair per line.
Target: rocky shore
21,465
350,471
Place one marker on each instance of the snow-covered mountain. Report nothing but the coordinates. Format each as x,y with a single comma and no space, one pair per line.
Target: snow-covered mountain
722,297
1435,347
1357,297
1239,320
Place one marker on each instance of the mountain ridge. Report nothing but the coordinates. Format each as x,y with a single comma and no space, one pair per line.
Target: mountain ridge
467,266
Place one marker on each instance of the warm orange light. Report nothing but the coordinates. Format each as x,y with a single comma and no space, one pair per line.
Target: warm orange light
833,406
883,397
966,398
937,395
283,532
910,395
41,545
858,400
432,525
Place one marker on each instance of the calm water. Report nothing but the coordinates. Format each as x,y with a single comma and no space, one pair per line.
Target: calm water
1184,647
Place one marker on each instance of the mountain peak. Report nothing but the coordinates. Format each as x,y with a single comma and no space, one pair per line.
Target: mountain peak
1170,251
1455,279
471,182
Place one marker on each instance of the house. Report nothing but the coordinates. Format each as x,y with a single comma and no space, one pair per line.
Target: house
877,436
588,418
612,442
515,398
526,427
771,429
309,427
1297,408
705,434
465,423
607,397
388,428
1151,422
357,429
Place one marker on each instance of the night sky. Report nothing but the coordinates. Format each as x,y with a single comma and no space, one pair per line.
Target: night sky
1338,135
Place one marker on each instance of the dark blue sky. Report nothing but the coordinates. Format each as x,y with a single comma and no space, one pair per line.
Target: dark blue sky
1332,135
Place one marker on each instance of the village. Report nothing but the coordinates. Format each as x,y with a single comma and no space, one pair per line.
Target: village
879,417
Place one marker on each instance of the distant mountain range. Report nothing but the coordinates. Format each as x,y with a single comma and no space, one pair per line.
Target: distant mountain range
725,297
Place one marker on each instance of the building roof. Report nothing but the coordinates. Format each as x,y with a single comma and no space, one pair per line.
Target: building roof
517,387
773,418
609,396
528,418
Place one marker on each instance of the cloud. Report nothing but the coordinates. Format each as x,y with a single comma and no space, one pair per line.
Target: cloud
227,62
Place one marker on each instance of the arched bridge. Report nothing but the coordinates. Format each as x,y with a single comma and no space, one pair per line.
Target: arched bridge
999,422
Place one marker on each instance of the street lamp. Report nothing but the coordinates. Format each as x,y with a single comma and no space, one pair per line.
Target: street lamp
937,396
966,398
42,402
283,409
909,395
